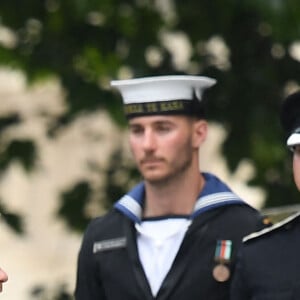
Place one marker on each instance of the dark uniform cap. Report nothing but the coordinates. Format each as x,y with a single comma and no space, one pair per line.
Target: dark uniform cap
163,95
290,118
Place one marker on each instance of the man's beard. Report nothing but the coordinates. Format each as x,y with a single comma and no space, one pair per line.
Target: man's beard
173,176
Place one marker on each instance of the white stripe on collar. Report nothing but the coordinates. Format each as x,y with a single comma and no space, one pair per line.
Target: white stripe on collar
130,207
215,199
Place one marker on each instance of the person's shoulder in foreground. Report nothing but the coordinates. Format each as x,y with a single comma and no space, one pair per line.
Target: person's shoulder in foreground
3,278
268,265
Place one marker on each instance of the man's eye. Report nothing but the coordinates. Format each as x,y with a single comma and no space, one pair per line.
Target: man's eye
164,128
136,130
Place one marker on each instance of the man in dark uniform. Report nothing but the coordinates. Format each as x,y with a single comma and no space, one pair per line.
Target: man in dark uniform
268,265
176,234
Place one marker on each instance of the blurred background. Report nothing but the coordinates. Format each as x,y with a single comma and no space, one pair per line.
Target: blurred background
64,156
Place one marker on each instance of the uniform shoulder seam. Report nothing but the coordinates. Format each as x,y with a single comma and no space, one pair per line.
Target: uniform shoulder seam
272,228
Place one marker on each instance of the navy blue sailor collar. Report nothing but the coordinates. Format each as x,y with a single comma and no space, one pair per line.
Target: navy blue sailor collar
215,194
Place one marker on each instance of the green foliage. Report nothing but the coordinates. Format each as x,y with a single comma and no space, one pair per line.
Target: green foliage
281,15
73,203
23,151
10,120
13,220
119,177
87,43
40,292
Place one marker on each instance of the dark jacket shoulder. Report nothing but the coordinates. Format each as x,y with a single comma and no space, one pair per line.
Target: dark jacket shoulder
106,226
275,228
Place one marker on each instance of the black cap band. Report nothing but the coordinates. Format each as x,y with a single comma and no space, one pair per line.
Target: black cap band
174,107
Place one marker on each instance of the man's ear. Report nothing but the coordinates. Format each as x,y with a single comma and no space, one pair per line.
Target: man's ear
200,132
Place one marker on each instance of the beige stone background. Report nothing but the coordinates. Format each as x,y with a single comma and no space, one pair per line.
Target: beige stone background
46,255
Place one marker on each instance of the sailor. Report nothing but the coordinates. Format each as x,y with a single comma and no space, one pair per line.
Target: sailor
175,235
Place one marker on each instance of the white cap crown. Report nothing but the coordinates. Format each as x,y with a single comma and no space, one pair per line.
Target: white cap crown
161,94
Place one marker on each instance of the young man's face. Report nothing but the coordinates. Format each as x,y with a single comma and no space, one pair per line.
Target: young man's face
165,146
296,166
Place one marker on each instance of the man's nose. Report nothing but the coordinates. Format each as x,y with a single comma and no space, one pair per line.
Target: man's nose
149,140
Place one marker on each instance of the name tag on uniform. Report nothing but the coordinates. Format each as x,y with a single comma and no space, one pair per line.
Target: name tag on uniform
109,244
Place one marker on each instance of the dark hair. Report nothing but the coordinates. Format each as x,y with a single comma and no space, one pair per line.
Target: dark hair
198,107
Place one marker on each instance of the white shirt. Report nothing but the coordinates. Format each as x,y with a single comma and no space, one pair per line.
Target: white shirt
158,242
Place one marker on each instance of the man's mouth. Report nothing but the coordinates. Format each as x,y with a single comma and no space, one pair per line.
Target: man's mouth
150,161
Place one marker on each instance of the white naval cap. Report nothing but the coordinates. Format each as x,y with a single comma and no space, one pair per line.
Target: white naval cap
290,119
173,94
